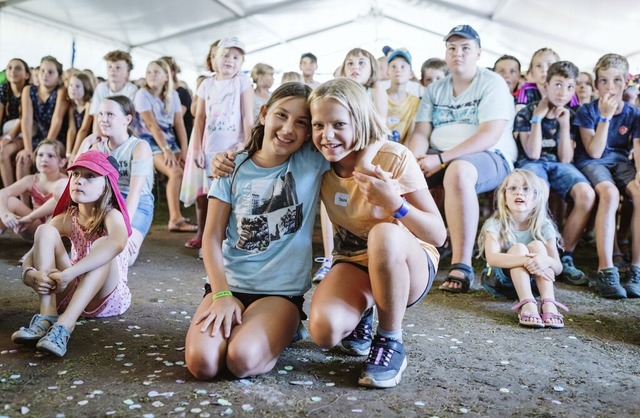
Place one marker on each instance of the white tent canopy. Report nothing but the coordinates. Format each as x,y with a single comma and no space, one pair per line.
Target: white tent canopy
276,32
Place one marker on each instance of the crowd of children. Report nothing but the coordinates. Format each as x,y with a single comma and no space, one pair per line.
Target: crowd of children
401,160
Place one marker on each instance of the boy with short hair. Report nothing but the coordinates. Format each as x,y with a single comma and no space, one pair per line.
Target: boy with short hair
607,127
432,70
402,105
544,135
308,67
119,66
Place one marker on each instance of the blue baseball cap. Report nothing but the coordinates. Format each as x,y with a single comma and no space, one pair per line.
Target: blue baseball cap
386,49
465,31
402,53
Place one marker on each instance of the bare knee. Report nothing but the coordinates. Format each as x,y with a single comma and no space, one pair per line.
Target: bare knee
518,249
46,232
583,196
201,366
324,330
537,247
245,360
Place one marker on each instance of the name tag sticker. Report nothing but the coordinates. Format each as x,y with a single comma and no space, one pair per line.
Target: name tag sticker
341,199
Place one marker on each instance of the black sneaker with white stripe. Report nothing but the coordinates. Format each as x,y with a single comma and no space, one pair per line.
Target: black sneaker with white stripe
385,364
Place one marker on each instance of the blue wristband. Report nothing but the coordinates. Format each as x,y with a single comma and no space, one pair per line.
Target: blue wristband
404,209
602,119
536,119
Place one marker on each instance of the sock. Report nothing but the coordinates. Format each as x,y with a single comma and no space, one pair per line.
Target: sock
563,253
609,269
393,335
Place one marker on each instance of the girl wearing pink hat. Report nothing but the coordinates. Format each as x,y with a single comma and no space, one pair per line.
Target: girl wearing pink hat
93,282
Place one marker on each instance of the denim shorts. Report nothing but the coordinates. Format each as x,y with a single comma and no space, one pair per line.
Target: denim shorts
491,166
618,170
497,281
142,219
248,298
560,177
432,276
155,149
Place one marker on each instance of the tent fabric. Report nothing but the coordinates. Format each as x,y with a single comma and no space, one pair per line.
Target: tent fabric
277,32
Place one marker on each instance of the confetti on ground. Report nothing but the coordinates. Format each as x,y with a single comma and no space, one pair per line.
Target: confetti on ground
463,410
288,368
246,407
504,390
418,403
301,383
83,402
504,362
558,388
556,402
357,411
24,410
224,402
316,398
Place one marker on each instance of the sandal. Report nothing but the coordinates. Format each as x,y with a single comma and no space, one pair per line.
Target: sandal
194,243
182,226
553,319
465,282
37,329
528,320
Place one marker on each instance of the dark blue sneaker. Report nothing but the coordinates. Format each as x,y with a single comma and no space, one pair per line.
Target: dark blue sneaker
632,284
385,364
570,274
358,342
608,284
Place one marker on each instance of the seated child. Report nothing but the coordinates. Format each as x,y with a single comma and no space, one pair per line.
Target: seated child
608,126
519,242
543,130
93,282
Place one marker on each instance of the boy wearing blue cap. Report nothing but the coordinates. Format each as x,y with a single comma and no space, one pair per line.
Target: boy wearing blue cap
462,139
402,105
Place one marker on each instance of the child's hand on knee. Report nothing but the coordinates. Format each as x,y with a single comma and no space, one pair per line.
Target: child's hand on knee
42,283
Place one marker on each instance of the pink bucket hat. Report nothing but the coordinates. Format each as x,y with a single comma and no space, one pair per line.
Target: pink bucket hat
101,164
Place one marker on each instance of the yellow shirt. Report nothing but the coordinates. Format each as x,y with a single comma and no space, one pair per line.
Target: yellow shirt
353,217
401,115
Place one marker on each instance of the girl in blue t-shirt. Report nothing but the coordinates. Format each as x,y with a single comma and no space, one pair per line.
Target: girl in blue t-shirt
257,218
520,242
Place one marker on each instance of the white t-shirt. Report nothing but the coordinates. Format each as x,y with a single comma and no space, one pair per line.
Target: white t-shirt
455,119
102,92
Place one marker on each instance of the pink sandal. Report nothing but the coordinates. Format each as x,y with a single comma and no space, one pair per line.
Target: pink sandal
552,319
525,319
194,243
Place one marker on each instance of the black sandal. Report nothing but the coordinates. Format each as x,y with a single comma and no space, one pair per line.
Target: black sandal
465,282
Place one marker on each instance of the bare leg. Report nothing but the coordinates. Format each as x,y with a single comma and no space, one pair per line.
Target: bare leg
605,227
583,198
174,182
7,161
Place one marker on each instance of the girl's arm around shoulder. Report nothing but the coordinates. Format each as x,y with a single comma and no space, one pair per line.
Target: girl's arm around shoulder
103,249
247,99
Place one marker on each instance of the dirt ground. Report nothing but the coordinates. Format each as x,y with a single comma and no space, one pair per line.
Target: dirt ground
467,356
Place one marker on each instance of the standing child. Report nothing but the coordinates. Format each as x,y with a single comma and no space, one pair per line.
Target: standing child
386,227
45,188
403,106
520,241
43,109
135,161
608,128
93,282
257,244
308,67
161,125
119,66
262,76
224,117
544,132
80,91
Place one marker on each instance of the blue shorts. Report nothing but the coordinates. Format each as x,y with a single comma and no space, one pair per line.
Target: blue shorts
248,298
560,177
491,166
432,276
155,149
617,169
142,219
497,281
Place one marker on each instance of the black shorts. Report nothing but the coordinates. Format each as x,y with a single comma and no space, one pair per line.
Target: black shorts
432,276
248,298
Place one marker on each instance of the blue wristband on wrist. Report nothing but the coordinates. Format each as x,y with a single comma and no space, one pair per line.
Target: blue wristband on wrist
404,209
602,119
536,119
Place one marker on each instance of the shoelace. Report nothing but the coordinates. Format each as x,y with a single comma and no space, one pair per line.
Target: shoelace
362,332
380,355
56,337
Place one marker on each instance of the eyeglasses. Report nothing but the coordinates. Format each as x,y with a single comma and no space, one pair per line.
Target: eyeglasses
516,189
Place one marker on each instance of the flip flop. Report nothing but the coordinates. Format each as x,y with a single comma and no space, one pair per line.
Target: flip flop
182,226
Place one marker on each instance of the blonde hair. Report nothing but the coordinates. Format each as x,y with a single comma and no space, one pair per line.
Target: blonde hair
368,125
538,217
540,52
260,69
291,76
166,95
612,61
359,52
221,52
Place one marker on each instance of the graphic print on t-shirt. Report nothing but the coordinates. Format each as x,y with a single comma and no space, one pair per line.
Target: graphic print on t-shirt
465,113
271,211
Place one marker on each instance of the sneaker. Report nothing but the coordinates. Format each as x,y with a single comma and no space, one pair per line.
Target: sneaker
200,257
301,333
570,274
632,284
608,284
37,329
323,270
358,342
385,364
55,342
